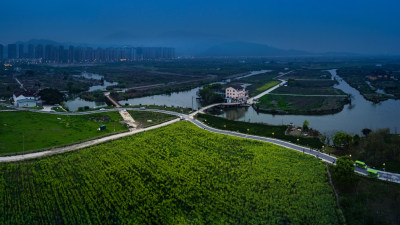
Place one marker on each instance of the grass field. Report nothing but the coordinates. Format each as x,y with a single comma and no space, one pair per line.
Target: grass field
147,118
267,86
308,91
258,129
178,174
300,104
40,130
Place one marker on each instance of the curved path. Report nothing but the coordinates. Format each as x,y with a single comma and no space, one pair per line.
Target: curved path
393,177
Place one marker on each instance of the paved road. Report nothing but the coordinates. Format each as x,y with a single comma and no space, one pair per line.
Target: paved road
73,147
393,177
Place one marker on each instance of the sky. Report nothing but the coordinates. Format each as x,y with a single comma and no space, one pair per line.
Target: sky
358,26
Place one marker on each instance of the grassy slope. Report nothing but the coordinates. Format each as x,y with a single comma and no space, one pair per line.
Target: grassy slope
258,129
175,174
45,130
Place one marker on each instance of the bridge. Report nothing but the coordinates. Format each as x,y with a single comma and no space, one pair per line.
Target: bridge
115,103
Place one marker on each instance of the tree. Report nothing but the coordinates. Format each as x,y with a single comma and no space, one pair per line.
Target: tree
344,170
306,124
356,139
366,131
51,96
342,140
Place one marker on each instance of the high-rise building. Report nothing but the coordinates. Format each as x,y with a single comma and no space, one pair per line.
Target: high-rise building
21,51
31,51
1,52
49,53
71,54
39,51
12,51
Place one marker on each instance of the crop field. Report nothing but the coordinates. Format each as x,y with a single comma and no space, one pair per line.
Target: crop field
178,174
28,131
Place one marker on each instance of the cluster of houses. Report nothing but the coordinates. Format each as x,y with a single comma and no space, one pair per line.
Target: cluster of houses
26,99
379,77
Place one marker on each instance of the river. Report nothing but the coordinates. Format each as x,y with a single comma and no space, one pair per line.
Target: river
186,99
74,103
352,119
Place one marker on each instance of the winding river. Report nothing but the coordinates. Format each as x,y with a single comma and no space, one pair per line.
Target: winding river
352,119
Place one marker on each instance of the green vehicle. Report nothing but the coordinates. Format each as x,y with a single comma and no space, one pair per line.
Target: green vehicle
372,173
361,164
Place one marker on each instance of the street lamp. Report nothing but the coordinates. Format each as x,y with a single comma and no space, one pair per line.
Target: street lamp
224,125
323,148
273,134
350,155
248,130
298,140
384,166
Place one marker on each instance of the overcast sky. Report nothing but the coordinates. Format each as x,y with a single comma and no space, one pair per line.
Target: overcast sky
360,26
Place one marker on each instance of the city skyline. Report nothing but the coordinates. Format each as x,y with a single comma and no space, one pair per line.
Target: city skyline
365,27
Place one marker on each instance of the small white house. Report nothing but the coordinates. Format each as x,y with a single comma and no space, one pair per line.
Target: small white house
236,94
25,103
24,99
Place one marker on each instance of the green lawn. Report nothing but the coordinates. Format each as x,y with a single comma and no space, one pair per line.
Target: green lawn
41,130
178,174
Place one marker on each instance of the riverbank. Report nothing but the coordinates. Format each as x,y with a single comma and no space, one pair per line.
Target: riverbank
259,129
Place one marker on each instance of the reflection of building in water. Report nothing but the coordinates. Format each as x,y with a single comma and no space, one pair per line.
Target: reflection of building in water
235,113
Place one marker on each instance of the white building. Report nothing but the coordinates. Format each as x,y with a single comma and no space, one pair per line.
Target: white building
24,99
236,94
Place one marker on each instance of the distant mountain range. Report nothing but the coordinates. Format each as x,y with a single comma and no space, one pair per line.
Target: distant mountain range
235,49
202,47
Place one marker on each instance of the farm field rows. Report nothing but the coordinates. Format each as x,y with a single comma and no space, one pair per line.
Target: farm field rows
175,174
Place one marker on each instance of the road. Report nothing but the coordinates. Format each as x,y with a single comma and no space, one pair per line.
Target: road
73,147
392,177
